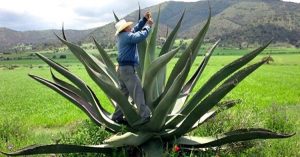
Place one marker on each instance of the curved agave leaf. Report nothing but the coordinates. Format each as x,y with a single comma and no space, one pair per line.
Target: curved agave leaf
177,118
191,83
210,101
161,77
100,118
78,82
106,59
171,124
230,137
128,139
156,66
66,85
170,117
139,11
116,17
188,87
63,31
167,32
76,91
112,79
204,118
166,104
194,48
81,55
170,40
86,92
114,93
62,148
152,72
100,107
221,107
206,105
141,50
213,112
219,76
84,57
151,47
150,55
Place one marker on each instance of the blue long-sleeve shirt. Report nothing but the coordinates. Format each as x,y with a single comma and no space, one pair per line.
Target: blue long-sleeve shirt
127,43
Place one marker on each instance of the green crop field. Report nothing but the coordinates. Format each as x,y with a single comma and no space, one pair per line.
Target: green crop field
30,113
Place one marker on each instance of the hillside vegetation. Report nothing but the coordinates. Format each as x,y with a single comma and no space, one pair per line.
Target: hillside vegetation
237,22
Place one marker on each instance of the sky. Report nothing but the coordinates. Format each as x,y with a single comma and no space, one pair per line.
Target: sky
25,15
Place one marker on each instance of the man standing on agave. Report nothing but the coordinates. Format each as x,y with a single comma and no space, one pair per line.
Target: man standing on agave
128,59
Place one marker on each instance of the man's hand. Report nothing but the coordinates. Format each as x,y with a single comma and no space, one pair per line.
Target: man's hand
150,22
148,15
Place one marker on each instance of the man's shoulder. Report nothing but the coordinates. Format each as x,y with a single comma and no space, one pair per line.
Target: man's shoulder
124,34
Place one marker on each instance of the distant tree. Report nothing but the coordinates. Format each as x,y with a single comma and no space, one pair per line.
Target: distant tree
269,59
297,44
161,41
110,46
79,43
62,57
243,45
183,46
55,50
181,42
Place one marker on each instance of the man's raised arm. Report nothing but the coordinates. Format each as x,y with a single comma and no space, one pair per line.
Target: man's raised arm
139,26
138,36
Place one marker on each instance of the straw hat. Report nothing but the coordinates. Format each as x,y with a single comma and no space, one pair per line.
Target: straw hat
122,24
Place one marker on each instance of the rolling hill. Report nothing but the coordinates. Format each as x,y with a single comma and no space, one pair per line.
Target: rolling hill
234,21
37,39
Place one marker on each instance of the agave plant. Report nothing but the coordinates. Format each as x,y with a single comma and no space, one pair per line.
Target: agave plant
175,112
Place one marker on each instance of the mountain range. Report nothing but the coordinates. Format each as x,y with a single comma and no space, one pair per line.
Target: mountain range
233,21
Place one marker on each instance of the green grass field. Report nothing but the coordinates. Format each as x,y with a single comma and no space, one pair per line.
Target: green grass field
31,113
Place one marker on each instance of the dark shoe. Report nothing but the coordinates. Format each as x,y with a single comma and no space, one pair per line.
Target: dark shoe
120,120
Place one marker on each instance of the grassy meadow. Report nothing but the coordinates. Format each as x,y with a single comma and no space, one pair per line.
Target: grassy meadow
30,113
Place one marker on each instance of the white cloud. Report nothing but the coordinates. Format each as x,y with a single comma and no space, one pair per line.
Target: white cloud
76,14
296,1
51,13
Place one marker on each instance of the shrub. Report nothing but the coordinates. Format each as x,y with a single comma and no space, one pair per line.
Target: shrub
62,57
